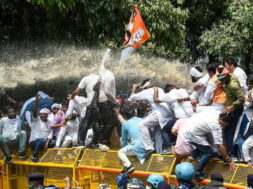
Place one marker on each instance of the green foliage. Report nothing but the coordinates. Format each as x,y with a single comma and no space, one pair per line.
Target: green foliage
231,36
93,21
202,14
182,28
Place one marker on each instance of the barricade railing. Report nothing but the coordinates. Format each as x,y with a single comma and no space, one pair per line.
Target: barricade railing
89,167
55,164
98,167
232,179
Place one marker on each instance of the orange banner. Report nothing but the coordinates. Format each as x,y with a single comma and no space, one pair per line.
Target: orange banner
136,33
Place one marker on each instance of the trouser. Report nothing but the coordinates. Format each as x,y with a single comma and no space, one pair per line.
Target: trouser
167,137
239,144
20,141
68,135
60,137
85,124
67,139
38,145
155,133
247,147
151,125
123,153
103,130
206,152
240,138
230,130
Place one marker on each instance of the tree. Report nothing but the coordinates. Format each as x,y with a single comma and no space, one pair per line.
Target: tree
93,21
232,36
201,15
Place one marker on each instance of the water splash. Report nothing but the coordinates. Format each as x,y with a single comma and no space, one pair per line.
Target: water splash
29,64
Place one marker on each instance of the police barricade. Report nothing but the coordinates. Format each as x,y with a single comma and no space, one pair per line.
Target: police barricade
97,167
232,179
55,164
2,173
88,168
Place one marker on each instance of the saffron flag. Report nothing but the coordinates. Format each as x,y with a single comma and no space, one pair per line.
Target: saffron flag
136,33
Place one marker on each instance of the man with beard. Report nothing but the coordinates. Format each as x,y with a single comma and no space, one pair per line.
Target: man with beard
12,135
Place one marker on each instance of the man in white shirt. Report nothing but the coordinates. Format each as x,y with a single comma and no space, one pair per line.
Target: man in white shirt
181,109
233,68
68,133
103,96
41,132
12,135
87,83
198,127
157,119
198,95
78,104
106,101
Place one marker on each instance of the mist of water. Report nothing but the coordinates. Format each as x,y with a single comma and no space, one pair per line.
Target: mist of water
28,64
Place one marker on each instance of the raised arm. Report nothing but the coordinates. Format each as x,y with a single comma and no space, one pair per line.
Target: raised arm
106,57
11,100
35,107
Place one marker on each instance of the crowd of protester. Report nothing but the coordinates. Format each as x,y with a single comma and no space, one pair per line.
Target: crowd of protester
211,120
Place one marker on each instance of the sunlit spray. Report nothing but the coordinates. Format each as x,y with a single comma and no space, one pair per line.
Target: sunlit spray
27,65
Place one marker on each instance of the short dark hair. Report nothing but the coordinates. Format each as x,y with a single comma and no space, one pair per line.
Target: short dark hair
65,103
144,81
168,88
10,107
127,110
231,61
225,117
142,109
36,177
220,69
211,67
198,68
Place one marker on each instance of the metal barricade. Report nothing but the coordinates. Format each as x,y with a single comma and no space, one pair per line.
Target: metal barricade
98,167
88,168
55,164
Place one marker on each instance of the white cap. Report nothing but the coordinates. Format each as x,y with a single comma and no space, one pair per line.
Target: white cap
195,73
45,111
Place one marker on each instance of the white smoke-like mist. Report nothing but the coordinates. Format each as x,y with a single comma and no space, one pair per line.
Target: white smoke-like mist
28,64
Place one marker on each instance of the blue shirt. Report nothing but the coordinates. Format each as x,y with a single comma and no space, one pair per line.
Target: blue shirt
131,138
130,129
43,103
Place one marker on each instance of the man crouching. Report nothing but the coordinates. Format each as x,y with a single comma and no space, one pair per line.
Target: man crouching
130,134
